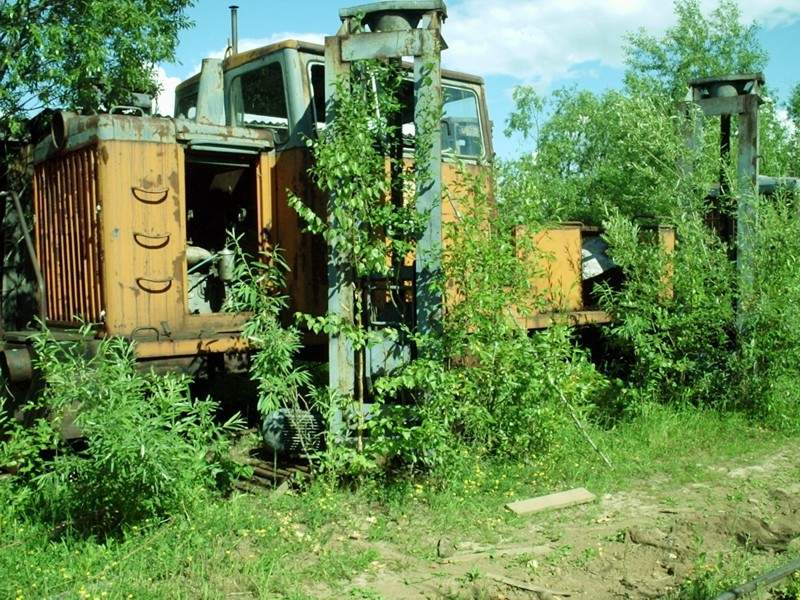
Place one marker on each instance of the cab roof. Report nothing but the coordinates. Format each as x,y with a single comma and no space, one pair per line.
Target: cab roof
310,48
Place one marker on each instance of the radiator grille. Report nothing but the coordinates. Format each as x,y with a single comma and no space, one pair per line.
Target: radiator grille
68,236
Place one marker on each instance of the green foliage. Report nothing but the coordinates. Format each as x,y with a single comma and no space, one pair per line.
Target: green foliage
525,118
697,46
257,289
484,382
82,54
147,449
619,156
372,221
793,106
674,316
770,352
614,151
353,162
779,150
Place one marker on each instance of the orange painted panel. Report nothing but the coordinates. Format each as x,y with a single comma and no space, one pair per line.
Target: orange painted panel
143,235
557,281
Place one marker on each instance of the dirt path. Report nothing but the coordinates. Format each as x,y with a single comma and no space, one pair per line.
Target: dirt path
641,543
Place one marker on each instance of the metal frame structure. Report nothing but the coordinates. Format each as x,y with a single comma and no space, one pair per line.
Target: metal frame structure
725,97
397,29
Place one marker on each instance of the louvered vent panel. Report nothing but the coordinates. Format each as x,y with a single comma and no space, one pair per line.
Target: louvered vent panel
68,236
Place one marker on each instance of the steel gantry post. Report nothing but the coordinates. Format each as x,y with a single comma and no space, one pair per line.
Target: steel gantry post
390,31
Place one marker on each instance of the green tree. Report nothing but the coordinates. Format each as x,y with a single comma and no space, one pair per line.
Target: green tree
81,54
793,106
611,150
698,45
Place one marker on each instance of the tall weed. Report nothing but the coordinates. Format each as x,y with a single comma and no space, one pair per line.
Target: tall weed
483,381
673,325
769,359
146,449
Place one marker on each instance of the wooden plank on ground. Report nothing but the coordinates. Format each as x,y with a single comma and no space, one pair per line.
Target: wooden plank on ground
551,501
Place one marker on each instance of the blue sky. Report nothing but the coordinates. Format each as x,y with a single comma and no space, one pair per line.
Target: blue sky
546,43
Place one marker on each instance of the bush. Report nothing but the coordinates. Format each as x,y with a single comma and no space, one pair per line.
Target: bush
147,449
769,359
673,341
483,381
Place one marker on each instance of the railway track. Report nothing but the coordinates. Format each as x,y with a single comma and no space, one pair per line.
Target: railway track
269,475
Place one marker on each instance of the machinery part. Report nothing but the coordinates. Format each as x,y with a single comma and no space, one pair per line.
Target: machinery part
226,265
398,28
234,29
292,432
762,580
154,286
17,364
398,15
210,93
726,97
150,196
196,255
594,257
59,127
151,241
31,252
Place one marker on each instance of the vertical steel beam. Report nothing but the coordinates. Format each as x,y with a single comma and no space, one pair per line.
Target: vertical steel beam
747,173
425,44
340,282
427,115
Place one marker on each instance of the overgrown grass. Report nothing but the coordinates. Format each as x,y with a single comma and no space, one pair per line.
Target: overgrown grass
312,543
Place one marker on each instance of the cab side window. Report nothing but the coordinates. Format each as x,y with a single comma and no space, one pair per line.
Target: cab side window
260,100
318,91
187,106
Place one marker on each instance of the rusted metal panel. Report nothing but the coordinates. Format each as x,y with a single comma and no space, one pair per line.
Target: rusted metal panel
265,200
557,281
210,95
427,106
556,278
189,347
666,238
722,106
388,44
306,281
81,131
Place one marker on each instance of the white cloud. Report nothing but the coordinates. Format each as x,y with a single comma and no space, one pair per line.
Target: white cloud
165,101
771,13
546,40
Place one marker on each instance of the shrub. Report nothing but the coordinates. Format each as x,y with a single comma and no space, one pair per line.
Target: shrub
147,448
672,341
483,381
769,355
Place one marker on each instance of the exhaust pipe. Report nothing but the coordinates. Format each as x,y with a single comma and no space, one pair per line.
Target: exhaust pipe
234,29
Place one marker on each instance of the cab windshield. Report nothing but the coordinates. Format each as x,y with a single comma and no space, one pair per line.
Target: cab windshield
460,125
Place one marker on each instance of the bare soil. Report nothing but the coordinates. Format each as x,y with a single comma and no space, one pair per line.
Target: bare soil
643,542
